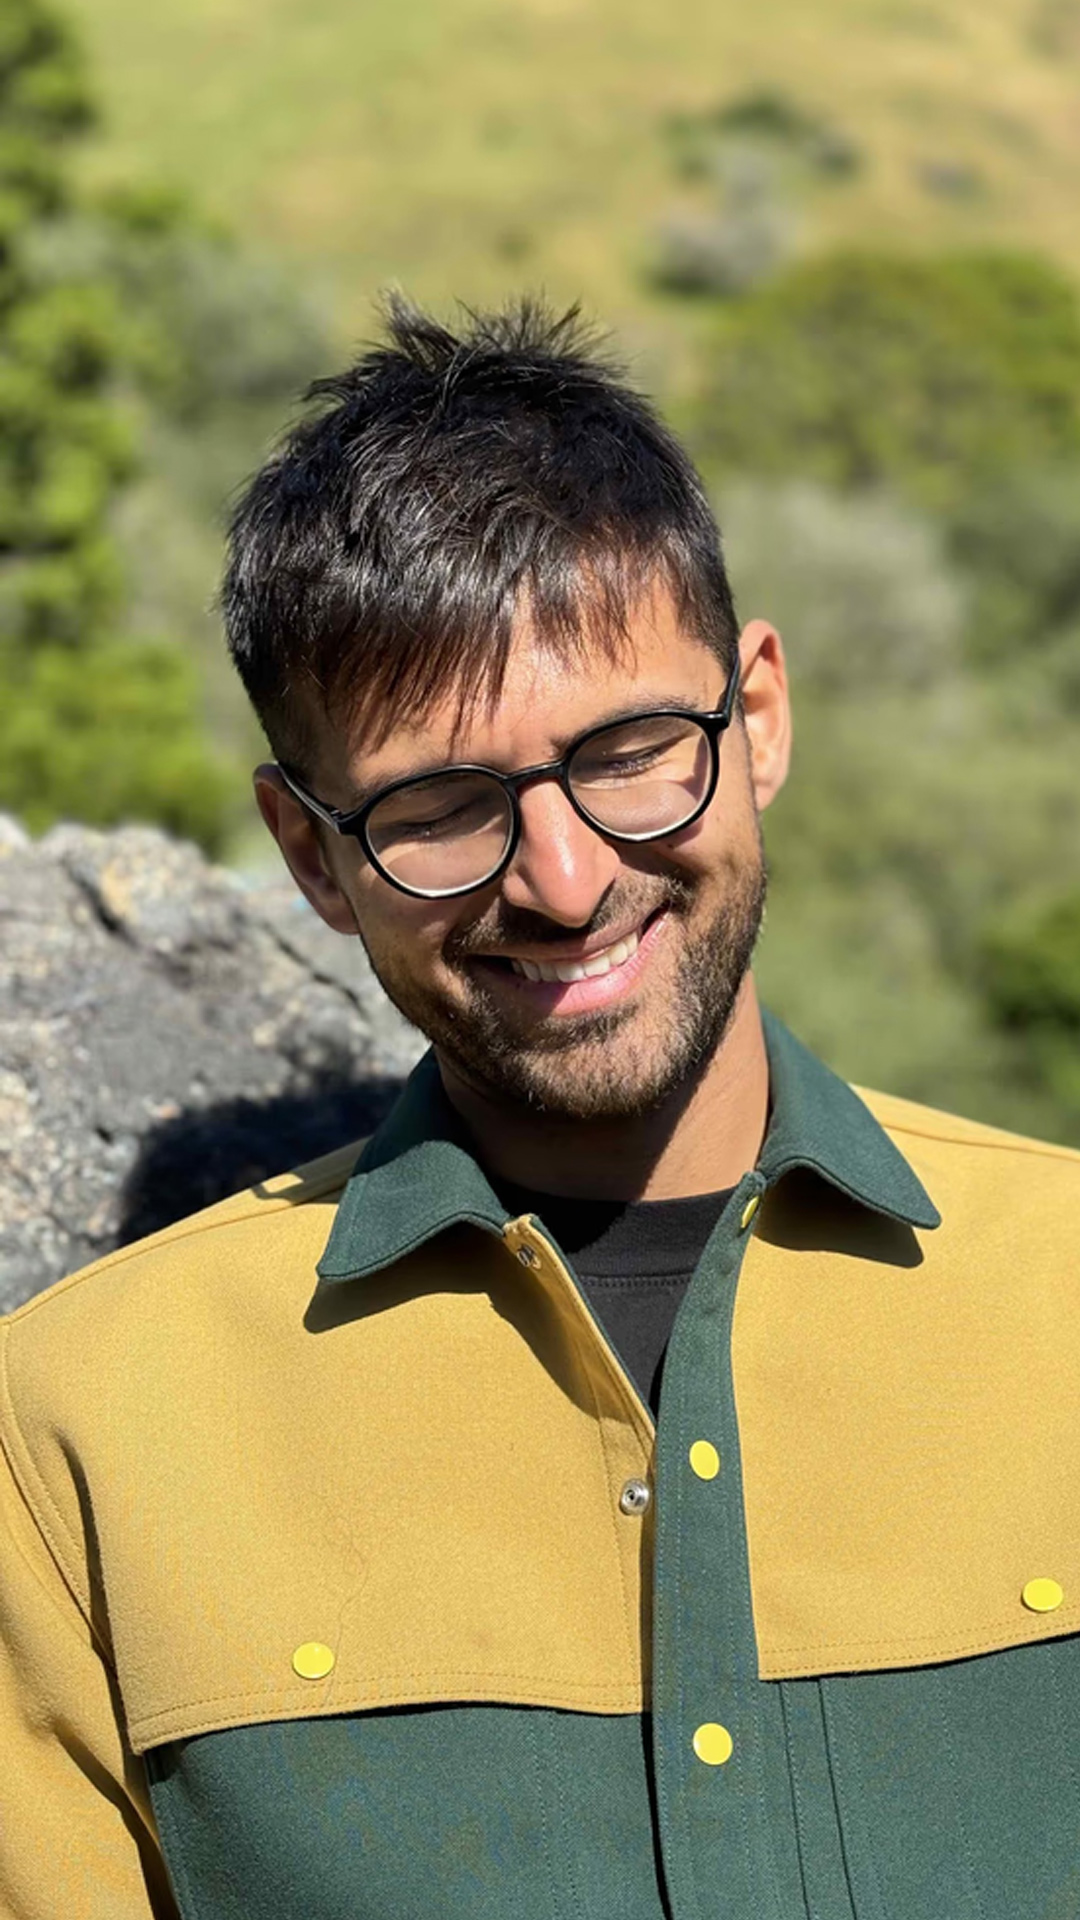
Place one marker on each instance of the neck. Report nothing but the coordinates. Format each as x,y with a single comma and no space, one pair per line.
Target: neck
704,1138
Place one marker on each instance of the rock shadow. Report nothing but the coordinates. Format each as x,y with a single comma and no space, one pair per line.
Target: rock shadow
207,1153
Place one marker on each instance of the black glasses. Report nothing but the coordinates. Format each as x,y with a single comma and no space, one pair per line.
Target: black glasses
435,835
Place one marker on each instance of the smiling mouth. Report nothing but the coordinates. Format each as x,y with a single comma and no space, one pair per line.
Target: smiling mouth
564,972
590,969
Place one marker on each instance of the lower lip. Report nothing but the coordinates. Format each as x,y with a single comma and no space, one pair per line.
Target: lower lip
584,996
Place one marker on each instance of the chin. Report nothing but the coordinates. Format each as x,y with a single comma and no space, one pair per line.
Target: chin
611,1076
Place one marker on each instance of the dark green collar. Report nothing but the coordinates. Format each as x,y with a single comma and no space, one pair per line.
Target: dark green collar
417,1174
818,1122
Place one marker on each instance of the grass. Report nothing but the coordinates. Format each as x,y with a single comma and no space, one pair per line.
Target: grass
463,148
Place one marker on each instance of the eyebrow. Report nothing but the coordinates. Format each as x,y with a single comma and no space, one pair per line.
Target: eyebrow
677,703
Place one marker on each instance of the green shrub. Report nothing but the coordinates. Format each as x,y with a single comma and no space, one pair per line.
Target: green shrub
864,369
1017,538
1033,970
106,314
106,734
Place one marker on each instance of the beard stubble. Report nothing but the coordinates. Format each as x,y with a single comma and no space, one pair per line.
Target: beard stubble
616,1064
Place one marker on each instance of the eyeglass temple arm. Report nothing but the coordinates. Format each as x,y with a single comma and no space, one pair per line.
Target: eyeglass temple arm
329,814
727,705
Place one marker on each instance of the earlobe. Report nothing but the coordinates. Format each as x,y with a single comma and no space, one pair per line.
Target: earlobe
302,849
766,709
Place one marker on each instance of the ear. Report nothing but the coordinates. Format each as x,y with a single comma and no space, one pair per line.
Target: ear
766,709
300,839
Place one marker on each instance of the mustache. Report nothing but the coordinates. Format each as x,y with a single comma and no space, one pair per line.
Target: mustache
505,926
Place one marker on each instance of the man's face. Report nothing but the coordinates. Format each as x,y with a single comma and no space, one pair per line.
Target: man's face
676,919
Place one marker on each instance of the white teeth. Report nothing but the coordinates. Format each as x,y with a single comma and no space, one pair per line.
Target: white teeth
590,969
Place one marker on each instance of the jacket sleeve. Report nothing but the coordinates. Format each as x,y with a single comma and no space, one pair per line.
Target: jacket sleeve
77,1839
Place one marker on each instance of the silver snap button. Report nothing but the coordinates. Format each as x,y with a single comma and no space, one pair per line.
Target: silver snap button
635,1497
528,1257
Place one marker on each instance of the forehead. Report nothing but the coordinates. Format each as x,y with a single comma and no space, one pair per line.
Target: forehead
549,693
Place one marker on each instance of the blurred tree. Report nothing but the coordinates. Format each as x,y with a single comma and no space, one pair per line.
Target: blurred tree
218,342
862,583
1017,537
106,733
926,375
1034,969
63,447
928,802
207,326
1033,987
895,443
88,725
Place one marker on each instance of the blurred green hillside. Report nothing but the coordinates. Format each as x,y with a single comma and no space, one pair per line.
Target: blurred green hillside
460,146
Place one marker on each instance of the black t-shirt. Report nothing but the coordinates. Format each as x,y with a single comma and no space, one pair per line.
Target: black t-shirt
634,1259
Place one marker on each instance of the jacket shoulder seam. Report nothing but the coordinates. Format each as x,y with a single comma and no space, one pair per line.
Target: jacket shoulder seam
30,1484
188,1229
19,1547
1014,1143
937,1127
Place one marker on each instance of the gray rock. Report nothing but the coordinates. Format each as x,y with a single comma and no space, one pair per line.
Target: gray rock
168,1034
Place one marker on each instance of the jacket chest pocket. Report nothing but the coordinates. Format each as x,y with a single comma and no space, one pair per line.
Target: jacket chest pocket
957,1787
470,1813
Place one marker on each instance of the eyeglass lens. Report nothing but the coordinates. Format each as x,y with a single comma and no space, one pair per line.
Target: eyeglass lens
441,834
638,779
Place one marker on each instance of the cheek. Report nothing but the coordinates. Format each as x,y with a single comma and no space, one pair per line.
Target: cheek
723,840
405,938
727,837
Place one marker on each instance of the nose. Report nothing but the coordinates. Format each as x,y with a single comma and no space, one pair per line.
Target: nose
562,867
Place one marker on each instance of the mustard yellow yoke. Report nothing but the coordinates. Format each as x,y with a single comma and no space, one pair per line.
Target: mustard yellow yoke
344,1574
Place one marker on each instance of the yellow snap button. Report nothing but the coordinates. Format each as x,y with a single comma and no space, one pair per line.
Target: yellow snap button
312,1661
704,1460
713,1744
749,1210
1042,1596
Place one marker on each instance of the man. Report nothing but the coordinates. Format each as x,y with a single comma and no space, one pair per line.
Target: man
645,1481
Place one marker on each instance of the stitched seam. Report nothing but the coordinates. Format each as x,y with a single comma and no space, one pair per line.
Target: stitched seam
48,1598
176,1867
1065,1744
833,1710
542,1811
578,1906
25,1480
633,1648
1009,1626
441,1678
748,1721
796,1806
610,1283
430,1226
643,1429
677,1815
348,1700
733,1508
175,1235
949,1744
1043,1149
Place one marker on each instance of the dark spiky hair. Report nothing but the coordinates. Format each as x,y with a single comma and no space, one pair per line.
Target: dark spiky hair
440,484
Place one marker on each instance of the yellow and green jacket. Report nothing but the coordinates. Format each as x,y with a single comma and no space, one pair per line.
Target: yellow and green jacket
322,1596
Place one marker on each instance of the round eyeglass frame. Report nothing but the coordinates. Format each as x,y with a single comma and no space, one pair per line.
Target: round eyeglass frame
352,822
